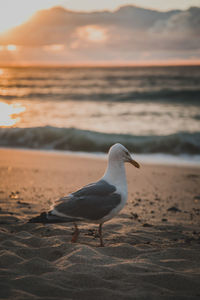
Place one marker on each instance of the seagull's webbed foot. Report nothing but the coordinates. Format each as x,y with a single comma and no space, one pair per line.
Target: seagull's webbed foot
75,234
100,236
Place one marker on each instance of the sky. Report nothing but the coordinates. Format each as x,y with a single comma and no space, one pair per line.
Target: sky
98,40
13,13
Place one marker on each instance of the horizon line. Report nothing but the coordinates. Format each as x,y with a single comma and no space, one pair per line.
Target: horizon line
95,65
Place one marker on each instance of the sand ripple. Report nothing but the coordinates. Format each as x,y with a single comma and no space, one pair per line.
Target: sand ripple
39,262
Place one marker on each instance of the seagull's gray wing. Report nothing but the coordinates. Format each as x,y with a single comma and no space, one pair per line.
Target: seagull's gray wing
100,187
92,202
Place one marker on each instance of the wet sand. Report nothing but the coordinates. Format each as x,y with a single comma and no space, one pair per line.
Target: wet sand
152,248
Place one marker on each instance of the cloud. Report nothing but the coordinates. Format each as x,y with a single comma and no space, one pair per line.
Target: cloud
181,22
128,34
180,32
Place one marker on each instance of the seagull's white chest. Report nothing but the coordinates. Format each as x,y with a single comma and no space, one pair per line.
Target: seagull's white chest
115,176
122,190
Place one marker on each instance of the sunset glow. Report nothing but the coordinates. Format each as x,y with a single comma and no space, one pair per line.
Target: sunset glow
54,48
11,48
92,33
9,113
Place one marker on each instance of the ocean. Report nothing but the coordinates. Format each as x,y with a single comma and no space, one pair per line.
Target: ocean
151,110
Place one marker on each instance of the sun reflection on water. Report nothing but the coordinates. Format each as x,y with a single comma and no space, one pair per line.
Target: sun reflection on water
10,114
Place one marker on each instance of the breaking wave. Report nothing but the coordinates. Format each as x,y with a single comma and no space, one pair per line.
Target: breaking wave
90,141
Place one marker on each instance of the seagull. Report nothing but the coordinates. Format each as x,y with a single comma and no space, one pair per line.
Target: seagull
97,202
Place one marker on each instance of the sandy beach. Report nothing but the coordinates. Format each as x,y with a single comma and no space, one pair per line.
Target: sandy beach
152,248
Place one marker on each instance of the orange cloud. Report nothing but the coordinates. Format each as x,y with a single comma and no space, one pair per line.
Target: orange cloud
130,34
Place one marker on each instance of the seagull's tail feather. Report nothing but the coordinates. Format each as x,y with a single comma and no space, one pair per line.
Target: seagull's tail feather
50,218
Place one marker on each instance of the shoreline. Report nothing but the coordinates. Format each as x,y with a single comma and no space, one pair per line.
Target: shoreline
184,160
151,247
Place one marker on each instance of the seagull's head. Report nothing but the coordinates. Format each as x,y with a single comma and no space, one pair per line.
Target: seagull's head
120,153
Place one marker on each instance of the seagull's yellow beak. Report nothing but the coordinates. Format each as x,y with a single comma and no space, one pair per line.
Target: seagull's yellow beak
134,163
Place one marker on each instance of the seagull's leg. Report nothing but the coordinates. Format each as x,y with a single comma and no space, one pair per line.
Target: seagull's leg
75,234
100,236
